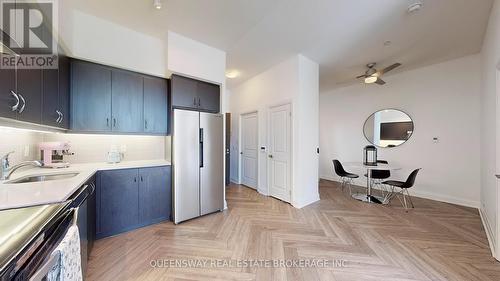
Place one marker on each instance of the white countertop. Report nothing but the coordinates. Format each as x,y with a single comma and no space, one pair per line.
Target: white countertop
37,193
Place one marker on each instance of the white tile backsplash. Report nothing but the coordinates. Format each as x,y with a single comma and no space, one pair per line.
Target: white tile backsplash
87,147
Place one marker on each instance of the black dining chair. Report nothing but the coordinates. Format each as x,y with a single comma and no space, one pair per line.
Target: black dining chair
378,176
346,177
404,186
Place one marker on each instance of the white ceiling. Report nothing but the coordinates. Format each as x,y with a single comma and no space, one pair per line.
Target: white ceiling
341,35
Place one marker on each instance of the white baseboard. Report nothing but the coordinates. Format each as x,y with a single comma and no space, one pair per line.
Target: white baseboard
489,232
300,205
429,195
233,180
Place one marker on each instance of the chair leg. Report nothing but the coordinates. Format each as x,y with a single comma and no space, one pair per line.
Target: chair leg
409,197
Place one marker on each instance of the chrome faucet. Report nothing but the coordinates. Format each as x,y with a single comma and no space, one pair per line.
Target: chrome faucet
7,170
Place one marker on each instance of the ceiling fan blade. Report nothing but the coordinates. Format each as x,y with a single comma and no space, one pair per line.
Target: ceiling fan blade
361,76
389,68
380,81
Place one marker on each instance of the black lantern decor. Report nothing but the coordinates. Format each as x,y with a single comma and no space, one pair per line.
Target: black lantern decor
370,155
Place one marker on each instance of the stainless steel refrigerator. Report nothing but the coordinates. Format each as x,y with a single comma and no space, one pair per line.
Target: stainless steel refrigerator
198,152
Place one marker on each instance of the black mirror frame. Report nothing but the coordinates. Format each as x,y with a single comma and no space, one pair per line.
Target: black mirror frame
371,141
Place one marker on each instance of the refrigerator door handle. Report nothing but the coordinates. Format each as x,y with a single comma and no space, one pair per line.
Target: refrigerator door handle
201,147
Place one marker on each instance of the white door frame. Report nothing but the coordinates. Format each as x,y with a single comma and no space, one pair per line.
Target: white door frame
240,149
286,102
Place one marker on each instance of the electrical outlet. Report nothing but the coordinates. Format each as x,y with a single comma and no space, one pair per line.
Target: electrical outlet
26,150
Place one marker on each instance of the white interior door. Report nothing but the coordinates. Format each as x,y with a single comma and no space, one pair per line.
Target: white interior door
249,143
279,155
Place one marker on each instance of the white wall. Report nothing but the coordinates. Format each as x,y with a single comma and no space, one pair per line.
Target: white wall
98,40
490,58
195,59
293,81
443,101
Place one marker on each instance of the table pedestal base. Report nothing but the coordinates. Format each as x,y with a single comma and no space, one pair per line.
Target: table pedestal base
370,198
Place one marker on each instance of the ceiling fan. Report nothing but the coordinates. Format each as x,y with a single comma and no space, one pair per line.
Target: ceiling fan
372,75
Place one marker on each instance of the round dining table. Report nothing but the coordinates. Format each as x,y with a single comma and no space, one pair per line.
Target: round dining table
369,197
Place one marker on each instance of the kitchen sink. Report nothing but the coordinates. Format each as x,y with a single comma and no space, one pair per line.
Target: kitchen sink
40,178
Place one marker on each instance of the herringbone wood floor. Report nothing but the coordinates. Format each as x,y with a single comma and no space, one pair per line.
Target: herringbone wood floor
435,241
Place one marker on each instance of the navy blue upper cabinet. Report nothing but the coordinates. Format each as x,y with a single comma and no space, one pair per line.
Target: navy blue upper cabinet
209,97
117,199
155,194
55,95
155,105
90,97
127,101
29,89
8,97
184,92
107,99
197,95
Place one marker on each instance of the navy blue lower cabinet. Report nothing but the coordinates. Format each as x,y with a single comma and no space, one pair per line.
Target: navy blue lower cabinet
155,194
131,198
118,204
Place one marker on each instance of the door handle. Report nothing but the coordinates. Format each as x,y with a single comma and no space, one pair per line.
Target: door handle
498,176
270,156
241,152
24,103
15,106
201,147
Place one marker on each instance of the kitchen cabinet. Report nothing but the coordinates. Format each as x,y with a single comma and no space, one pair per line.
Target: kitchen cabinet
7,92
112,100
55,95
196,95
155,193
127,101
90,97
155,105
184,92
132,198
208,97
118,193
29,89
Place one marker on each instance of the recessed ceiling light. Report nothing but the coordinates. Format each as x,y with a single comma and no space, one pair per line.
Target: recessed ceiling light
232,74
415,7
157,4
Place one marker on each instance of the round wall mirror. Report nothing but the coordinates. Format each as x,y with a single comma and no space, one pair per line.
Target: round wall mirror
388,128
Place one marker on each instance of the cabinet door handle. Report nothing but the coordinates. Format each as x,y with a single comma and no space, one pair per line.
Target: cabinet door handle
59,117
15,106
142,179
62,117
135,179
199,102
114,122
107,122
194,101
146,124
24,103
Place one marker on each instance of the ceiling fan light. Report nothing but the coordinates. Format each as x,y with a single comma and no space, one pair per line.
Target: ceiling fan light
157,4
371,79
